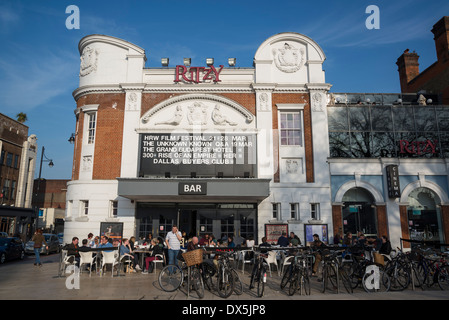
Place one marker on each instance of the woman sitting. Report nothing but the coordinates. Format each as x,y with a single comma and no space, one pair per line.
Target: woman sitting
155,248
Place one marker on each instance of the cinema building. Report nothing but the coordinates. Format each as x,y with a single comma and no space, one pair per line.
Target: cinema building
247,151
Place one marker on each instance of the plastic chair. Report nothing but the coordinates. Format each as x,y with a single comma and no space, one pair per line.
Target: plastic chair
272,259
87,258
127,262
286,260
110,257
161,261
241,257
66,260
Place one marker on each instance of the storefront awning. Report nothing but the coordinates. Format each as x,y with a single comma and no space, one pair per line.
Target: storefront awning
185,190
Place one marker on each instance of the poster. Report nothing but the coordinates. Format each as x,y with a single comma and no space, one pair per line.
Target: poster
274,231
319,229
112,230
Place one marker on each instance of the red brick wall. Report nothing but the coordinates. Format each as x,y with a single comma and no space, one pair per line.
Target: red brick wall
404,225
337,219
108,135
382,222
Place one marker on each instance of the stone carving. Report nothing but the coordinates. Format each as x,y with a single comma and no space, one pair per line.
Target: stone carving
197,114
422,100
331,99
288,58
175,120
263,101
132,101
292,166
89,60
317,102
87,163
219,119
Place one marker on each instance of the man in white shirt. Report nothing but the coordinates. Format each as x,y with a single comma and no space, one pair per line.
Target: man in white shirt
172,239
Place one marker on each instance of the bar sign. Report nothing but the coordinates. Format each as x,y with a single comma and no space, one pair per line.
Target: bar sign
394,190
192,188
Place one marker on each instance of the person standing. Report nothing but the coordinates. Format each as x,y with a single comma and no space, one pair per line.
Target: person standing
172,239
38,239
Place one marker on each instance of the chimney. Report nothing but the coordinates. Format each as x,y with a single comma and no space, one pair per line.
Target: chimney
408,68
441,36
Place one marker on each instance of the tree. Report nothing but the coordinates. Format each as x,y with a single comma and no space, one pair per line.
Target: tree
21,117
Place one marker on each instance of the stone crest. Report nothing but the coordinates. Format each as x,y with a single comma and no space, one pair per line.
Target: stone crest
89,60
197,114
288,58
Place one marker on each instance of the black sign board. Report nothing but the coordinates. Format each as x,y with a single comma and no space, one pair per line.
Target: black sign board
192,188
394,189
205,154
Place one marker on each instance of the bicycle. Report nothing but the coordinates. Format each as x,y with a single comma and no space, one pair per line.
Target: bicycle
172,277
299,276
333,272
433,269
228,280
364,272
259,273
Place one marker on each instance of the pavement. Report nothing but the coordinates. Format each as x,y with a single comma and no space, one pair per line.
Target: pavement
21,280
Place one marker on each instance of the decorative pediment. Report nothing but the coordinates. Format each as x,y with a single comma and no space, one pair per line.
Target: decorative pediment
197,110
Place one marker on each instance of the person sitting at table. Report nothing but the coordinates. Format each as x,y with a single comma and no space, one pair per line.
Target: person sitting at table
104,243
155,248
283,240
73,250
205,240
231,243
317,245
294,240
193,245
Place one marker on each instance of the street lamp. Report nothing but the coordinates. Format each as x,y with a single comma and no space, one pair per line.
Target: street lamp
50,164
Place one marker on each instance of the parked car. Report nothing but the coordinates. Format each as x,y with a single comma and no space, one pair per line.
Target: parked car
61,239
11,248
3,235
52,242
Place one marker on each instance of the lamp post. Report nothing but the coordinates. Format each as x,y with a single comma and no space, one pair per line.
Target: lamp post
50,164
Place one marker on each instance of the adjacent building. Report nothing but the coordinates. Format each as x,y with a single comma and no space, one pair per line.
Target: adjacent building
17,165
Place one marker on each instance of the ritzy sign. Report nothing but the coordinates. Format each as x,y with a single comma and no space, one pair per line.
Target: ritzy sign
418,147
197,74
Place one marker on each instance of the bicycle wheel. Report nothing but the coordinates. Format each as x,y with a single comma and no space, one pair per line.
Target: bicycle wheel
261,281
225,283
170,278
371,285
345,280
207,272
353,271
443,277
399,276
286,277
293,286
305,282
197,282
238,285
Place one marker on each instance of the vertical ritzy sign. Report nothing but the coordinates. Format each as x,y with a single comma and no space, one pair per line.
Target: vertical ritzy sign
394,189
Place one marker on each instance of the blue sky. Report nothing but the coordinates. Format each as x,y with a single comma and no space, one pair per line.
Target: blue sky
39,59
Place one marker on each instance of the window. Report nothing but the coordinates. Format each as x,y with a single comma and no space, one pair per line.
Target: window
315,211
91,130
9,160
6,189
13,190
84,207
294,211
291,129
114,208
16,162
276,210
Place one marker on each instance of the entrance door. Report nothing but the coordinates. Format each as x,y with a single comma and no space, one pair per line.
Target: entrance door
187,222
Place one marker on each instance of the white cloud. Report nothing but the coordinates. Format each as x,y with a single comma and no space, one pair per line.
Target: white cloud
26,83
